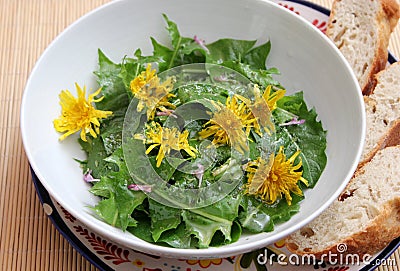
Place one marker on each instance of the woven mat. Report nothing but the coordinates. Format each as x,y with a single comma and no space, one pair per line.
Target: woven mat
28,240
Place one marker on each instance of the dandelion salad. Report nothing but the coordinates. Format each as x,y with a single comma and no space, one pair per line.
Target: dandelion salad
195,144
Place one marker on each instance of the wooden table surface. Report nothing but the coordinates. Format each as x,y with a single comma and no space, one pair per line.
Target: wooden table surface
28,240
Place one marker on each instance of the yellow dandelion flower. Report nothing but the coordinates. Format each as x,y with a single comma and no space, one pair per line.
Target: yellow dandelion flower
271,179
79,114
228,122
152,94
262,106
141,80
271,99
166,139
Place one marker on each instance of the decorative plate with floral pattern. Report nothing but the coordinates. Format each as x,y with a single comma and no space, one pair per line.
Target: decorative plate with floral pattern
106,255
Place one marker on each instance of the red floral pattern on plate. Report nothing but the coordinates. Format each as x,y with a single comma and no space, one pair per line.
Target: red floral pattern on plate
67,215
108,250
321,25
321,22
289,8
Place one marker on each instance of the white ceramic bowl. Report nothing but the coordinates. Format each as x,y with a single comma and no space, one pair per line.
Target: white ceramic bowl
307,60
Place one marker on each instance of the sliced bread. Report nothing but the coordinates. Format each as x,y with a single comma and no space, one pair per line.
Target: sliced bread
364,219
361,30
383,113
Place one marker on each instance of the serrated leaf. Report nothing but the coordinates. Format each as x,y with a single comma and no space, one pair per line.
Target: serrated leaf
117,209
205,222
309,137
163,218
229,50
112,86
259,77
178,238
257,56
257,216
204,228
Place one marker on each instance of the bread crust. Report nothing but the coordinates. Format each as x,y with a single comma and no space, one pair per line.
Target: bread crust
387,19
391,138
373,238
392,135
392,11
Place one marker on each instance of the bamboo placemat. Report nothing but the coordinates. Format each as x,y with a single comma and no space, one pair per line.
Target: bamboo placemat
28,240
